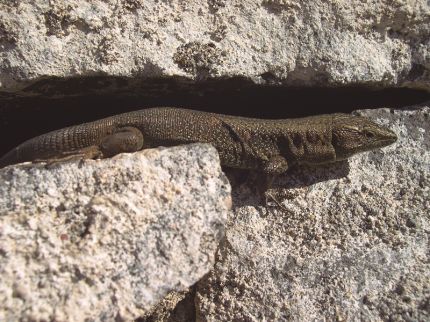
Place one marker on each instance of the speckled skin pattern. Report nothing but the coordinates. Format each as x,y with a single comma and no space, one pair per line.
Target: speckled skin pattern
270,146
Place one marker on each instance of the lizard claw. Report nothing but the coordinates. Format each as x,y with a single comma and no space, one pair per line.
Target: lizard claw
269,196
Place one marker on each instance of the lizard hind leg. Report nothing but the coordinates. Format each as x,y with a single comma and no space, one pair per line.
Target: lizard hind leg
125,139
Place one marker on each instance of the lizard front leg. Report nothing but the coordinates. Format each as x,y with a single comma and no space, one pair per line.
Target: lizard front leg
126,139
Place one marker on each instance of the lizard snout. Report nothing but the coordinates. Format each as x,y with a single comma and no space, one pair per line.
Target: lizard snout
354,134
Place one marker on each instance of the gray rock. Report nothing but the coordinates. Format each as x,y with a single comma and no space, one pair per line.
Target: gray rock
108,239
175,307
352,243
264,41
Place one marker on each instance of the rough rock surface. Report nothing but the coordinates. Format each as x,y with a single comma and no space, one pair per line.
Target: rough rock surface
175,307
105,240
295,42
352,243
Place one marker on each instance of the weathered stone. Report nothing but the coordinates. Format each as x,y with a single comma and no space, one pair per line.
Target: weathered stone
293,42
352,243
175,307
106,240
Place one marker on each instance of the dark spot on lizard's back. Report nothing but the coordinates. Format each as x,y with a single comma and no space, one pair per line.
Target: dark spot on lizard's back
312,137
297,140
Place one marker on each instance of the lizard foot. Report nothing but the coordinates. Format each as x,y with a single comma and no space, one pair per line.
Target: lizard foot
268,196
263,189
126,139
91,152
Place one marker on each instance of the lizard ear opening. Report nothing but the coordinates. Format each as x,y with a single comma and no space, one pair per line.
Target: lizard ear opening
126,139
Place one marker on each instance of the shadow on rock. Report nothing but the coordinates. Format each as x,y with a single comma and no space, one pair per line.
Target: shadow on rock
246,185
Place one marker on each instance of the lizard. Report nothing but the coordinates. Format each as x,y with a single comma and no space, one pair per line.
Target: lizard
265,145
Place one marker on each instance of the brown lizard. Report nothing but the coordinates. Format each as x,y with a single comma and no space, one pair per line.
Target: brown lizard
269,146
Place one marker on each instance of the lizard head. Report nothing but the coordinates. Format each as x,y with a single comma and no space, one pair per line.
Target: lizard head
354,134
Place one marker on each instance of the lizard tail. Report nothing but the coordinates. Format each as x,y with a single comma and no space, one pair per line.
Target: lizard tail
8,158
59,143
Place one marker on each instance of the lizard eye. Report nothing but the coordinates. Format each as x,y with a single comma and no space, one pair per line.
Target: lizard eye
369,134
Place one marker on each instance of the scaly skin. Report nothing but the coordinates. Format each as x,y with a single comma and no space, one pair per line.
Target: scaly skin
270,146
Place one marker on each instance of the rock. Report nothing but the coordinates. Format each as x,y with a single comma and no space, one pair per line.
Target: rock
58,44
175,307
352,243
106,240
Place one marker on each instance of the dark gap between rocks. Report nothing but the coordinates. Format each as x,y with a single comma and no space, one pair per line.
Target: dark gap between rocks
53,104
